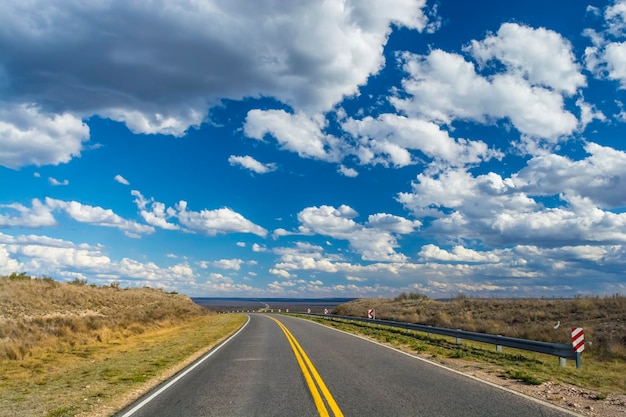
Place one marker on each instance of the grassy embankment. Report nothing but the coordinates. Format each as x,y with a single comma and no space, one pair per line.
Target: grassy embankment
603,318
75,349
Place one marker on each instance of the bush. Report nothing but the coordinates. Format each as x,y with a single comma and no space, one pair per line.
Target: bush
19,277
411,296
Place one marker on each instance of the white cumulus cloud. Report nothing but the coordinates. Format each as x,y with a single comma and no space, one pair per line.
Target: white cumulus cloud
553,201
458,254
98,216
375,240
606,58
390,138
155,213
234,264
213,222
444,87
252,164
541,56
18,215
31,136
56,183
297,133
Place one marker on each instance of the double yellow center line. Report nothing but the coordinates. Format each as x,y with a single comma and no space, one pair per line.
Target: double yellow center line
313,379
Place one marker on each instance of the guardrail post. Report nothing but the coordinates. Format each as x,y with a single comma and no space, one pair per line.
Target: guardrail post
578,364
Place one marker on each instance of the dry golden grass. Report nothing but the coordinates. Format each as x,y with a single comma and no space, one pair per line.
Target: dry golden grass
74,349
603,318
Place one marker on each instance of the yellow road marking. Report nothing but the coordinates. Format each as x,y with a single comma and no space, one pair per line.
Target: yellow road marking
311,376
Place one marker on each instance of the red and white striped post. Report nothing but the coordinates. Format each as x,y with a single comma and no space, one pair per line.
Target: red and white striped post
578,342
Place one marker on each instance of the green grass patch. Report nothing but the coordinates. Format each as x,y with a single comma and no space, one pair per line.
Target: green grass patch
520,375
600,396
62,412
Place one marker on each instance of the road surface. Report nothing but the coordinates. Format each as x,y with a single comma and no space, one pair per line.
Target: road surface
284,366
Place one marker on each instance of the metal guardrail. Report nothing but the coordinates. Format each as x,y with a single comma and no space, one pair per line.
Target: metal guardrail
562,350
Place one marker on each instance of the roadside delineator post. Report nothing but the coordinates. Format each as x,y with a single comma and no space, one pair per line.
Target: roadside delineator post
578,342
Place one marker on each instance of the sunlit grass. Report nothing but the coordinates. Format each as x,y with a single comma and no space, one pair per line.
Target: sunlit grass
76,349
99,377
601,376
548,319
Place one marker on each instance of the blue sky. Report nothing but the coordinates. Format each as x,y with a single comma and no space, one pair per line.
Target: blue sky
316,149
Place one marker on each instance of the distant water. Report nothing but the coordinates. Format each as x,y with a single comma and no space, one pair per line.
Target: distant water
295,305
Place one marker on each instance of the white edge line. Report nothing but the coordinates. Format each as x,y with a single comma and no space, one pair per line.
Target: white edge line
182,374
528,397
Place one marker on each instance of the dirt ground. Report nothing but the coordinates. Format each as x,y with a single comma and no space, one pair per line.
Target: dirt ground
577,400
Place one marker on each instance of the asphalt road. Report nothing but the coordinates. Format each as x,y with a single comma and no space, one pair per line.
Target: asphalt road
305,369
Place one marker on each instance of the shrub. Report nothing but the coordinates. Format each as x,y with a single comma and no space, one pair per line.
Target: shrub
19,277
410,296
